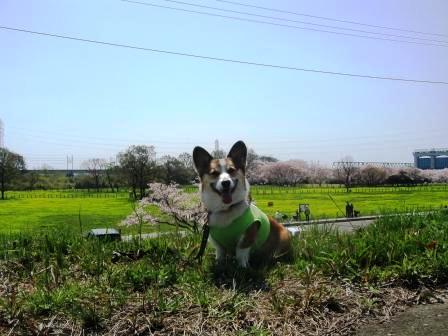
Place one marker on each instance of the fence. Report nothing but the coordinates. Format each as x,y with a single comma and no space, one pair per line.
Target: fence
255,190
333,189
24,194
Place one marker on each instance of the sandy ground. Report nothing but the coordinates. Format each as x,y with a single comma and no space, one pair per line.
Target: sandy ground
427,320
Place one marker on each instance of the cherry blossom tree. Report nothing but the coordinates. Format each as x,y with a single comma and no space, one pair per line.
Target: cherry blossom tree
283,173
436,176
318,174
178,208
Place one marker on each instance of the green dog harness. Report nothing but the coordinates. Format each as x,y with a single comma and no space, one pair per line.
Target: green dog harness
229,236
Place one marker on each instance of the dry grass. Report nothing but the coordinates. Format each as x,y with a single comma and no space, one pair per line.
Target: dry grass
293,306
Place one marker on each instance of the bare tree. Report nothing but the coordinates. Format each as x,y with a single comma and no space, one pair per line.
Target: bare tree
95,170
110,169
187,160
345,171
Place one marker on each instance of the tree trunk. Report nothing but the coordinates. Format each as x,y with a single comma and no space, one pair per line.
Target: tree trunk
3,187
109,181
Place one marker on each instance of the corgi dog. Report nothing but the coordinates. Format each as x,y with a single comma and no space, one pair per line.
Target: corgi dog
237,227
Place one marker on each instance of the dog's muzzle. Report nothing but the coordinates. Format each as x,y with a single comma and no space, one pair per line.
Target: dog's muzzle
226,193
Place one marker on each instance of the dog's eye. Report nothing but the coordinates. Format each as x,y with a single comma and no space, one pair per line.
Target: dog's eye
231,170
214,173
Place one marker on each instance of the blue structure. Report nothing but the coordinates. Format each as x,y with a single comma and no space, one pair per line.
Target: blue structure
424,162
441,162
431,158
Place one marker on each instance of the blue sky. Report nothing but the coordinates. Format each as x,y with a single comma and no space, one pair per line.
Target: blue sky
61,97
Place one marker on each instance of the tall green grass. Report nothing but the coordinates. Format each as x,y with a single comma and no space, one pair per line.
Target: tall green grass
412,248
59,272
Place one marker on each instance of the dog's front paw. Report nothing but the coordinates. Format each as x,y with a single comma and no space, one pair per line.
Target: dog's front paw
243,263
242,256
220,256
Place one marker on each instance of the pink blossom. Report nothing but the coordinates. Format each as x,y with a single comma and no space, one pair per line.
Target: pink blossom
184,210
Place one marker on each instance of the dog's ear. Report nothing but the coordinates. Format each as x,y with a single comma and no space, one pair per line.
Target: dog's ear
201,159
238,154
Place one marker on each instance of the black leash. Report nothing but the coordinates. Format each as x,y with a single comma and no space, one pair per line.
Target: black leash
205,233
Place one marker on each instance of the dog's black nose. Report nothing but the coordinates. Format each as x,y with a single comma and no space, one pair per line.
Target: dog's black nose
225,184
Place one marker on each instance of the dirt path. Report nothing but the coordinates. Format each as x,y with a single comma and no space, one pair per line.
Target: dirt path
427,320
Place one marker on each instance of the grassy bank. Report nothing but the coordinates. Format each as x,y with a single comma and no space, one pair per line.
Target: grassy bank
59,281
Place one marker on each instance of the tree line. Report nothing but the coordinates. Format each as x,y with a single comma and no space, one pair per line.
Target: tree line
136,166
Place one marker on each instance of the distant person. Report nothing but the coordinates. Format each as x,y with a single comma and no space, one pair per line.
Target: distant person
307,213
350,210
347,209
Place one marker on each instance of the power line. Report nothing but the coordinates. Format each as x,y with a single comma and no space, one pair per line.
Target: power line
275,145
280,24
328,18
109,140
295,21
165,144
388,136
219,59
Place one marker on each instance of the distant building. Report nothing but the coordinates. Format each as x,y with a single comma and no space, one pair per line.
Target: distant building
436,158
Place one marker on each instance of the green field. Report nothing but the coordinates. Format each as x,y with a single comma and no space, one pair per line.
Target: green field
41,213
368,201
45,209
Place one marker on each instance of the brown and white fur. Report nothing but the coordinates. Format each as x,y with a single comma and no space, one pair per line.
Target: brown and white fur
225,193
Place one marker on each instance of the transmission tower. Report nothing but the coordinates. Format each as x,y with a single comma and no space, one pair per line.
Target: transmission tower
69,171
216,146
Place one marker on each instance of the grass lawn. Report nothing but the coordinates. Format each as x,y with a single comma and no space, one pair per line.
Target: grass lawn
42,213
367,202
